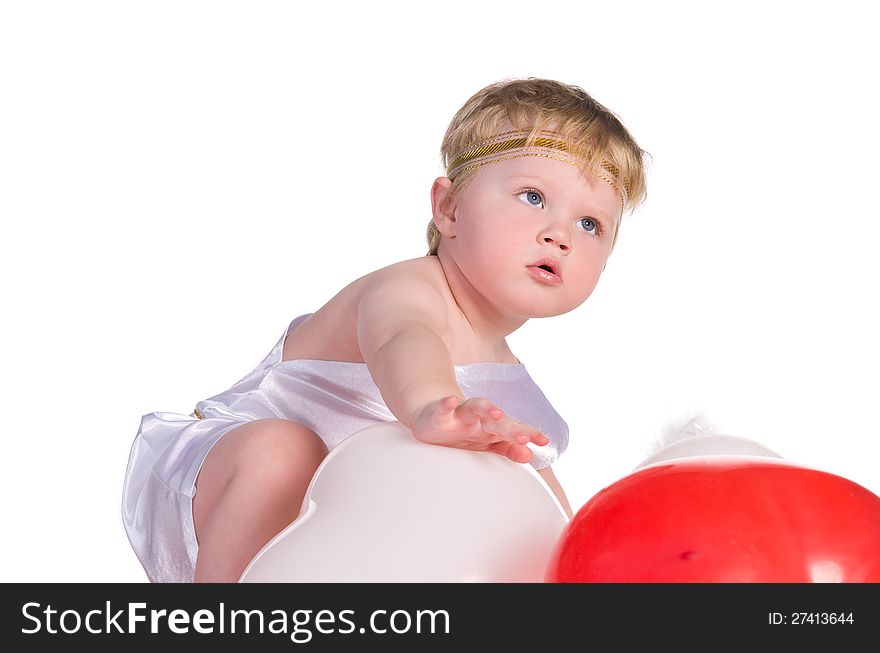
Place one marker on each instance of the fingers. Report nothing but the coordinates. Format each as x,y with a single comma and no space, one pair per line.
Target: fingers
518,453
470,411
447,405
541,440
483,418
516,432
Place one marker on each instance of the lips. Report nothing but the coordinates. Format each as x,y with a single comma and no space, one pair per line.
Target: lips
546,269
548,264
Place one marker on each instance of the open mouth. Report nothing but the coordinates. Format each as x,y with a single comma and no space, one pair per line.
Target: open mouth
547,264
546,272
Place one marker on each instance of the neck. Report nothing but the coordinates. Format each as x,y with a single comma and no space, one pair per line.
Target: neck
489,325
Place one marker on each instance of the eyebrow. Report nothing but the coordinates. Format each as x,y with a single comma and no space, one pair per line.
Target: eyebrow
528,177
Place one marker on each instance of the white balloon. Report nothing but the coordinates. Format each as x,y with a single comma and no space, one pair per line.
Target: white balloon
384,507
709,445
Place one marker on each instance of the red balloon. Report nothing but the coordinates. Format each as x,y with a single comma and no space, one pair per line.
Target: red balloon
723,519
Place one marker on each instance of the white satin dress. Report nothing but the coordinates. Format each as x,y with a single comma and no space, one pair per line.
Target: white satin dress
333,398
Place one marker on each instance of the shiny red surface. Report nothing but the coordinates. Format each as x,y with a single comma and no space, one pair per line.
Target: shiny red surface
723,519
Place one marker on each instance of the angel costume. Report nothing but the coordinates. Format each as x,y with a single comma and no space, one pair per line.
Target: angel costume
335,399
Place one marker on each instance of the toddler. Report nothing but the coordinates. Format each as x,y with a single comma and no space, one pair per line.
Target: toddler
538,175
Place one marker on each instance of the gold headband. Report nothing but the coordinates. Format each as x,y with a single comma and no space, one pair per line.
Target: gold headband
547,144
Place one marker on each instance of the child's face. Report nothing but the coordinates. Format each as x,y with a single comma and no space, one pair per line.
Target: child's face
515,213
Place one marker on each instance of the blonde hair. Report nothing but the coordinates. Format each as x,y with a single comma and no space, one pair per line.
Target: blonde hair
535,105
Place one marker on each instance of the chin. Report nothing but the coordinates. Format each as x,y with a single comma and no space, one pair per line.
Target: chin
553,312
535,310
531,305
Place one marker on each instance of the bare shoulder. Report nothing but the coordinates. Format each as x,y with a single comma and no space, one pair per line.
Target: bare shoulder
369,307
424,273
412,292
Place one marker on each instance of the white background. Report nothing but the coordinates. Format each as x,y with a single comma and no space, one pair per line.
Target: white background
180,179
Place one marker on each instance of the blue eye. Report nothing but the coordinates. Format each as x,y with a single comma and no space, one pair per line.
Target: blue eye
589,225
532,197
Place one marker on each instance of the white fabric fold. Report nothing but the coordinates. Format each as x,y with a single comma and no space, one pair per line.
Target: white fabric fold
333,398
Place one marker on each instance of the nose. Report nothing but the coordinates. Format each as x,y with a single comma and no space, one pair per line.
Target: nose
556,234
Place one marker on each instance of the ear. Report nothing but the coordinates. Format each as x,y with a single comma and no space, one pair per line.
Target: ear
444,213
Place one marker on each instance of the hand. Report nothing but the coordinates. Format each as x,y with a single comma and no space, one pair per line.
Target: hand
475,424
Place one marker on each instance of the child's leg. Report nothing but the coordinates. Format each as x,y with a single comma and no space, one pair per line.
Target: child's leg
250,486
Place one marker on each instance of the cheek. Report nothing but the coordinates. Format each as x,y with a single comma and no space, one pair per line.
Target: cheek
590,270
489,239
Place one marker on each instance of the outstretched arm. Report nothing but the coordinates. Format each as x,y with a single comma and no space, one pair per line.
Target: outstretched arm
400,326
400,322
